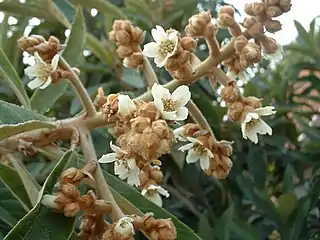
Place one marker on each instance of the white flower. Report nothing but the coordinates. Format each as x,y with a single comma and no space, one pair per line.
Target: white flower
253,124
172,107
41,72
125,105
124,227
49,201
165,45
179,133
196,151
243,76
153,194
123,167
276,56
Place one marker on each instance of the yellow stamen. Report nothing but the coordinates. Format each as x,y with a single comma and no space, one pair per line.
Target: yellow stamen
166,47
169,105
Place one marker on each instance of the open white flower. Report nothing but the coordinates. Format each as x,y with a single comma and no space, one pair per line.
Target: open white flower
179,133
171,106
165,45
196,151
254,125
123,167
41,72
124,227
153,193
125,105
276,56
243,76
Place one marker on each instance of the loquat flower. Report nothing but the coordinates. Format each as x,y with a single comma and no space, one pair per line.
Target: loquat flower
153,193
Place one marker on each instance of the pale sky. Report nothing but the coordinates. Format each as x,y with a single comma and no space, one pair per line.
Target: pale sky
304,11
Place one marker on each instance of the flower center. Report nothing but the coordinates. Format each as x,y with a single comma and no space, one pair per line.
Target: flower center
44,72
251,123
169,105
166,47
199,148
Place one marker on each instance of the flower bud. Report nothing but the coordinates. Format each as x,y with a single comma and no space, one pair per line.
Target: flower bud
224,21
252,101
124,228
30,41
135,60
256,29
272,26
123,38
230,94
248,9
272,2
124,51
228,10
273,11
70,190
285,5
235,110
258,9
249,21
250,54
156,174
189,44
239,43
71,209
137,35
140,123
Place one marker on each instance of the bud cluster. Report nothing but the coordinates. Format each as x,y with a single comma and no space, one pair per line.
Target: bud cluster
201,26
182,63
128,38
91,226
226,20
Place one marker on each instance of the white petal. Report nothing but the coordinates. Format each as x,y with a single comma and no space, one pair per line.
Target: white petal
159,92
182,114
125,105
186,147
182,95
37,82
121,170
173,36
125,62
243,129
132,164
266,111
47,83
194,140
159,104
39,60
49,201
155,198
210,154
54,62
124,227
133,178
160,60
115,148
151,49
169,115
31,71
179,134
262,127
162,191
159,34
108,158
252,135
144,191
192,156
204,161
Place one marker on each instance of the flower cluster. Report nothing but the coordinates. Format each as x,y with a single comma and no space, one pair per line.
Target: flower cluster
226,20
172,51
128,39
212,155
143,135
247,111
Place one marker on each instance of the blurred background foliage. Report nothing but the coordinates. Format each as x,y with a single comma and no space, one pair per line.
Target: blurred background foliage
273,188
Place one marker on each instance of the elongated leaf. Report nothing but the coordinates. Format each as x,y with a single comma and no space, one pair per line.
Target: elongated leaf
304,35
204,229
41,222
144,205
100,51
221,230
12,78
12,181
105,7
42,100
8,130
29,182
13,114
244,230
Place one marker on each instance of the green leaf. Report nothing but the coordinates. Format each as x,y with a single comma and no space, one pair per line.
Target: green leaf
13,80
310,131
286,204
244,230
41,222
11,179
221,229
144,205
13,114
29,182
304,35
100,51
8,130
42,100
204,229
108,9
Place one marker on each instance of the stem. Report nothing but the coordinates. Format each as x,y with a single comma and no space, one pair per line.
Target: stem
221,77
198,117
79,88
214,49
149,73
102,187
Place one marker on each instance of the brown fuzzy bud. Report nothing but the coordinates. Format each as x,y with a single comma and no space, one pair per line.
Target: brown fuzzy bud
225,148
137,35
29,42
224,21
273,11
235,110
156,174
258,9
256,29
165,230
71,209
272,2
285,5
252,101
140,123
70,191
230,94
189,44
249,21
200,25
228,10
100,98
248,9
250,54
239,43
124,51
148,110
272,26
135,60
161,128
123,38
